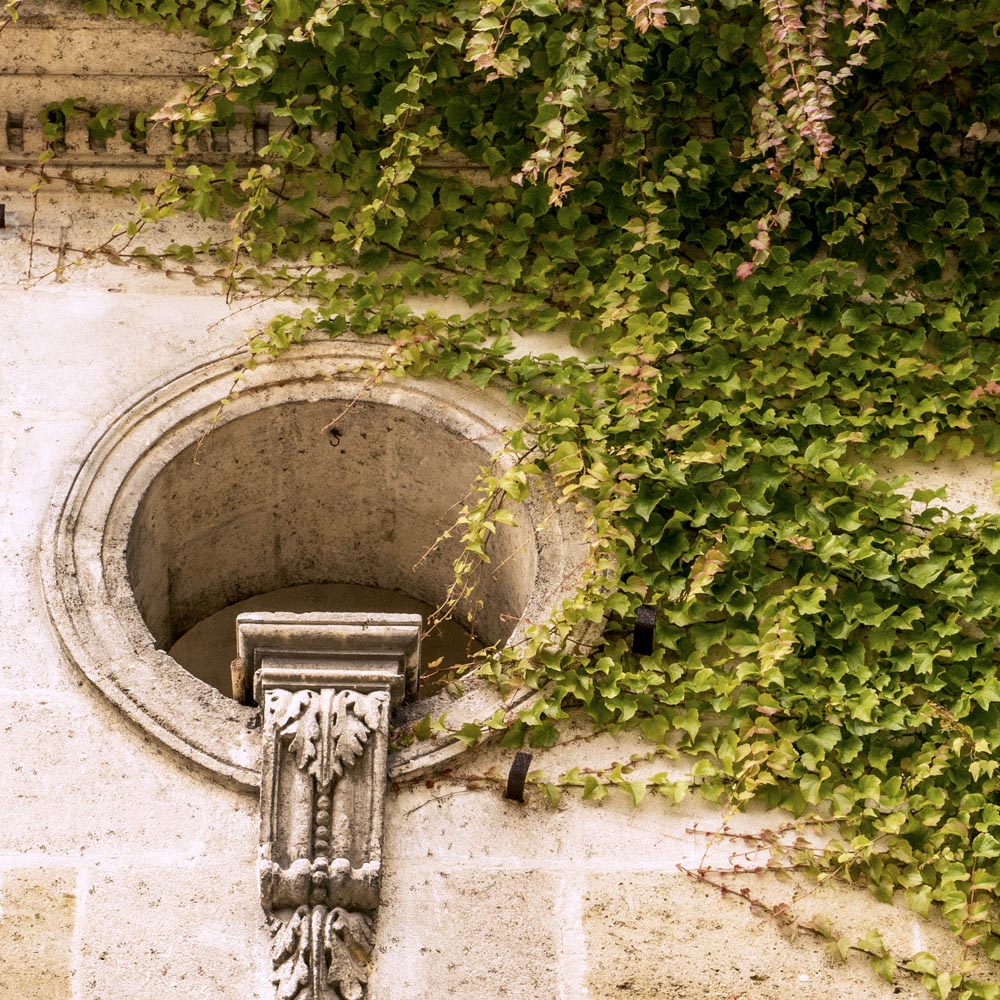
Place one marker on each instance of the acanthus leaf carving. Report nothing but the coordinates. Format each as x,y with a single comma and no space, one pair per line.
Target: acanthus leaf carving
321,954
288,956
347,940
295,715
349,719
328,729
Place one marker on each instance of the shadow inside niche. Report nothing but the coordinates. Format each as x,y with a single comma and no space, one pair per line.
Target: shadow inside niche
207,649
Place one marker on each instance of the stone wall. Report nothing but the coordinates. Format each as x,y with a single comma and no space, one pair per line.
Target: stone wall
127,872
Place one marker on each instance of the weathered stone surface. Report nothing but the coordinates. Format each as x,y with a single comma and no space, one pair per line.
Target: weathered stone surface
37,914
29,657
97,47
77,782
35,448
466,935
60,372
172,931
969,482
458,822
659,935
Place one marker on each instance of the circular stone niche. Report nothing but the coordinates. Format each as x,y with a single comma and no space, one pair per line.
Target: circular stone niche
300,506
310,489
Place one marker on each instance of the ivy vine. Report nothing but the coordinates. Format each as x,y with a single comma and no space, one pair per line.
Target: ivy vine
768,230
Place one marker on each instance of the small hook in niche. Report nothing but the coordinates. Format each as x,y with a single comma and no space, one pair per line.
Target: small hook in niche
333,435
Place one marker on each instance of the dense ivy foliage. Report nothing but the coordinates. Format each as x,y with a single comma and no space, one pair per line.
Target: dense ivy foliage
768,232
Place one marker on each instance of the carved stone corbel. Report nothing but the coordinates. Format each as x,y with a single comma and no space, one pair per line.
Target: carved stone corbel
326,684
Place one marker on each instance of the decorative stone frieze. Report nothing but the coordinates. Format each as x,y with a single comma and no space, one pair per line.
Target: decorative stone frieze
326,684
22,139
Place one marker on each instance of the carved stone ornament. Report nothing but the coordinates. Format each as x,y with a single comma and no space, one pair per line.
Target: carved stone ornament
326,684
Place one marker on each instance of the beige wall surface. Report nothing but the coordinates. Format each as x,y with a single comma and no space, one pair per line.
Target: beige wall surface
126,872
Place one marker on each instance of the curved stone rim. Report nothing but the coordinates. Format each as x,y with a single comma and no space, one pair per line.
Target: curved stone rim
87,589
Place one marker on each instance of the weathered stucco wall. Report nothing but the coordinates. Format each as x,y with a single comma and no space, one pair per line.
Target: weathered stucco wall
125,872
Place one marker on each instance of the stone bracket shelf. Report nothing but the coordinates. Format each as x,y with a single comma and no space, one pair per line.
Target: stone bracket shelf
326,685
